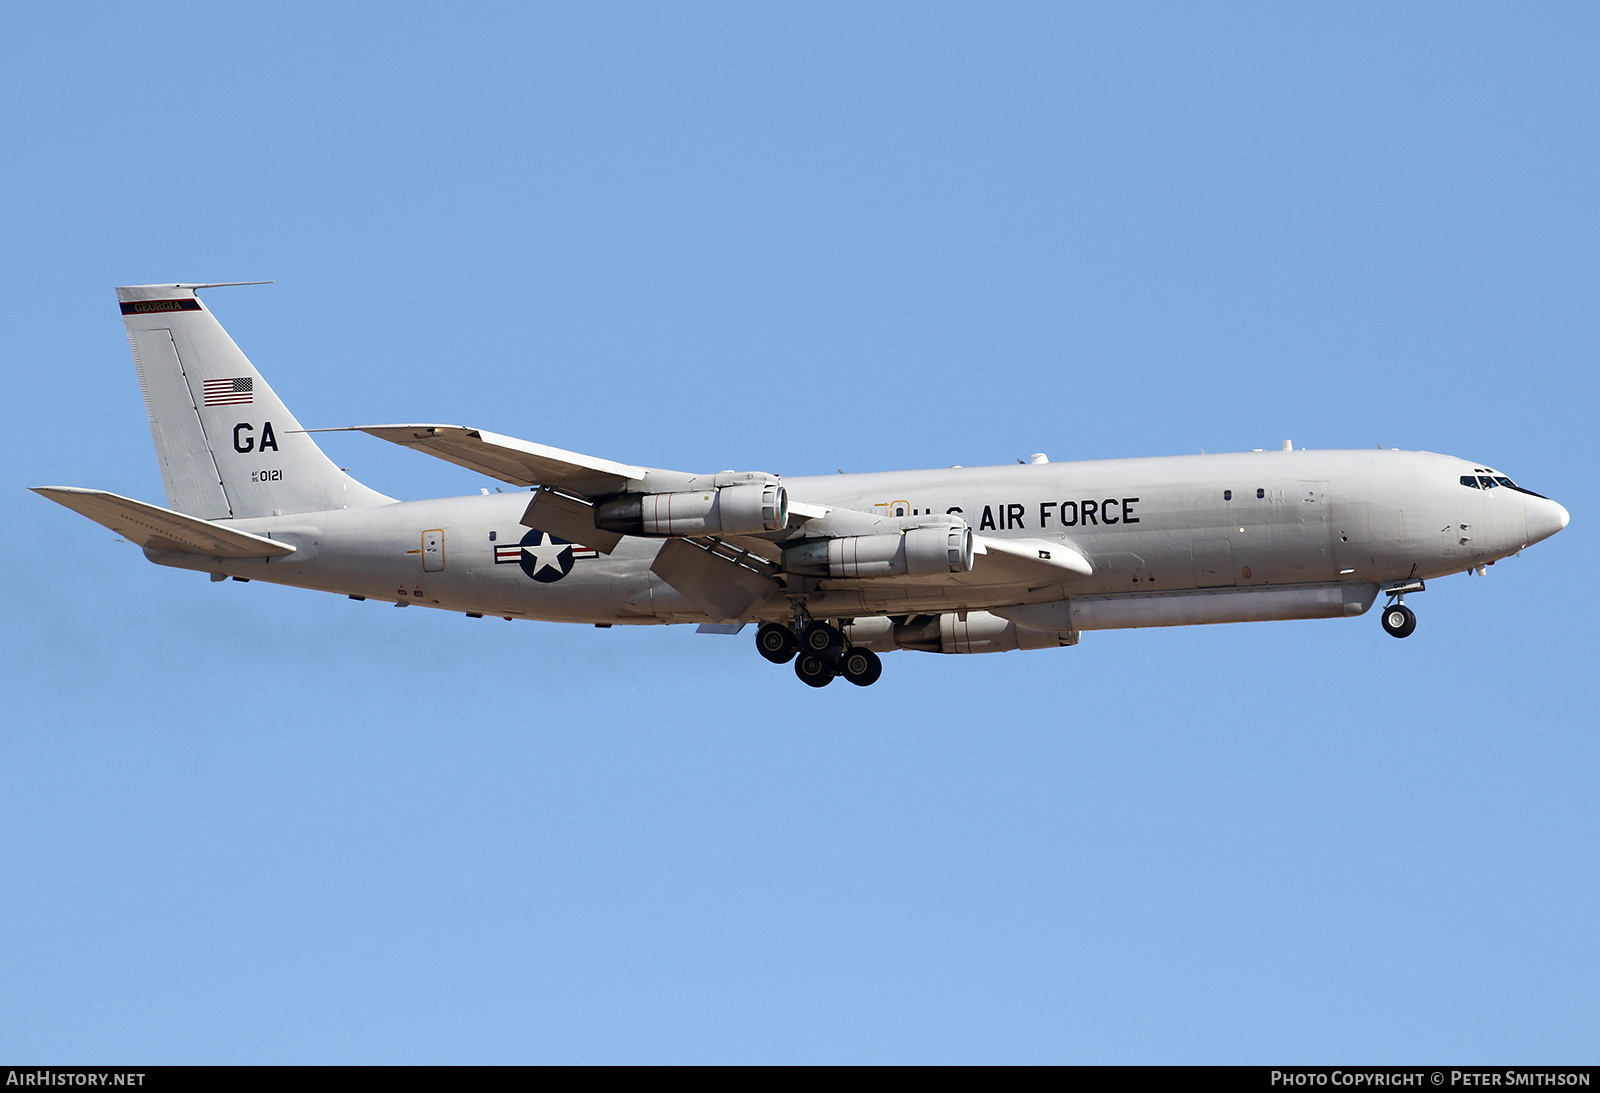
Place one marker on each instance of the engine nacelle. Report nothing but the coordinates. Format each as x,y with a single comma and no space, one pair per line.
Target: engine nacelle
979,632
727,510
919,552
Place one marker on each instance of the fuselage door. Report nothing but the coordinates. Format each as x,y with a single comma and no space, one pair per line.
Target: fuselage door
1213,562
433,551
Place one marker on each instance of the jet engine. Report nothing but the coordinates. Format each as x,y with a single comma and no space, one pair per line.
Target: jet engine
918,552
727,510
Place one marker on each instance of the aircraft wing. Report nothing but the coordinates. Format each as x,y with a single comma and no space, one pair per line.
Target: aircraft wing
805,510
568,478
524,463
565,479
1023,561
519,462
162,529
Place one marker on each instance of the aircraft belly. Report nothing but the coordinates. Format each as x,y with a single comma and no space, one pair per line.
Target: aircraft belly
653,599
1222,605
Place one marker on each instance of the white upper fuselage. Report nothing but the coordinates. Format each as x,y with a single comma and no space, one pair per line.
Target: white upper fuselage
1153,525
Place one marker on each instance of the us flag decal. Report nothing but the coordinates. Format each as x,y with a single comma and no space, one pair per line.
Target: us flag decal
230,392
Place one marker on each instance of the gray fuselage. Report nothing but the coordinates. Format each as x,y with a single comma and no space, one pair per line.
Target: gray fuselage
1152,527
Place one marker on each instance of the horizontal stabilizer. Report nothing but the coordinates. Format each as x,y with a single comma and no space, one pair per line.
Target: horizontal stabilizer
162,529
520,462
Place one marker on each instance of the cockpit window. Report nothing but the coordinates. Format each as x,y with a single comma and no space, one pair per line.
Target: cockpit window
1468,480
1486,482
1504,481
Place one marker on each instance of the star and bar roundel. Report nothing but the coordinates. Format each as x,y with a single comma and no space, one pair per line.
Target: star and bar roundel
543,556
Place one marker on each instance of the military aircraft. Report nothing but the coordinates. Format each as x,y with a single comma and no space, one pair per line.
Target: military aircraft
834,569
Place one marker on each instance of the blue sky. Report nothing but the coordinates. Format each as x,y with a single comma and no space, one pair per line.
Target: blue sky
241,823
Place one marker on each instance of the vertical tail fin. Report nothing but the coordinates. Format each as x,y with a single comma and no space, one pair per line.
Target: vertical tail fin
228,446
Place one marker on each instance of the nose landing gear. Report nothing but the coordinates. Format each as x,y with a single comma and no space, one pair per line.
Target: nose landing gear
1398,619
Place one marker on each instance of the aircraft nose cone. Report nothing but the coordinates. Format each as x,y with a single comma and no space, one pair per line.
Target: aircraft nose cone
1545,518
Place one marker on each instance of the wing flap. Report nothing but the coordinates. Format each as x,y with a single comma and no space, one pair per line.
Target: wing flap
569,518
721,587
162,529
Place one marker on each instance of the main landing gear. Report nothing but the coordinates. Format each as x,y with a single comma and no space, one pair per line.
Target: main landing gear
1398,619
776,642
824,653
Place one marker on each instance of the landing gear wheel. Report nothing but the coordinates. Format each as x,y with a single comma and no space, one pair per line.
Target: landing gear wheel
776,642
1399,620
822,638
814,670
861,666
